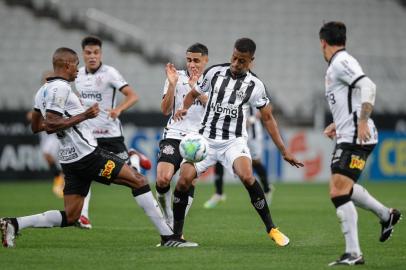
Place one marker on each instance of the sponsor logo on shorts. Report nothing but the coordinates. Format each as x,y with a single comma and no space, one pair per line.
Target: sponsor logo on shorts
168,150
357,162
108,169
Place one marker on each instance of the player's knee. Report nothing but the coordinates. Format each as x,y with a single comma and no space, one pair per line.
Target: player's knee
163,180
247,178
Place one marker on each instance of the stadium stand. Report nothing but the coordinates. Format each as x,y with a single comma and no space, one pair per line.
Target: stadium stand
286,31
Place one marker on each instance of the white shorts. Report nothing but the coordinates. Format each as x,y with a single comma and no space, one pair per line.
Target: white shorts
225,151
49,144
255,146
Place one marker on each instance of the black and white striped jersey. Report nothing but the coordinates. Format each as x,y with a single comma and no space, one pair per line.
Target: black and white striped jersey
254,125
56,96
190,122
226,112
344,98
101,87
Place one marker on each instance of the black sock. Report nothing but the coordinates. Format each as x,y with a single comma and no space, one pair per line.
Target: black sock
180,200
138,191
218,180
54,170
163,190
191,191
259,202
64,222
263,176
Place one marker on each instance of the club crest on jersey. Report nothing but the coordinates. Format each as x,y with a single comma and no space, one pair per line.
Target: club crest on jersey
240,94
108,169
357,162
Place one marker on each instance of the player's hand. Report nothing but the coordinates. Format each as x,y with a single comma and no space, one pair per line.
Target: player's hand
292,160
194,77
92,111
180,114
114,113
330,131
363,132
171,74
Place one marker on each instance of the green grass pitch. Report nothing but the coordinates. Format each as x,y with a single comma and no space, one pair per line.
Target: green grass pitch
231,236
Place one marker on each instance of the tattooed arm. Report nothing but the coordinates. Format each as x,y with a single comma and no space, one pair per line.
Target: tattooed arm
368,91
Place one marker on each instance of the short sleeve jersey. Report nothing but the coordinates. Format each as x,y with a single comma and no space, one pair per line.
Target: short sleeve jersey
230,97
56,96
101,87
191,122
344,98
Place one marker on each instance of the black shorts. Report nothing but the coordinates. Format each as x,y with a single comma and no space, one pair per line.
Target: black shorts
349,159
169,152
100,166
115,145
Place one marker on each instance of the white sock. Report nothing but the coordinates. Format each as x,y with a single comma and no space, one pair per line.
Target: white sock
85,208
151,209
48,219
361,197
135,162
165,201
348,216
189,204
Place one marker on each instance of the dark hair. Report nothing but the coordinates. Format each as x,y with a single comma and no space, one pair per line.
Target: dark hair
61,55
91,40
245,45
198,48
334,33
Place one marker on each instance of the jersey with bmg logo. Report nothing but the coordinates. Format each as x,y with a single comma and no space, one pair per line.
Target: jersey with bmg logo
344,98
56,96
189,123
101,87
225,116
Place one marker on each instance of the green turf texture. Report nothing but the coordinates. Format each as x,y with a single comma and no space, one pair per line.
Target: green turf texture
231,236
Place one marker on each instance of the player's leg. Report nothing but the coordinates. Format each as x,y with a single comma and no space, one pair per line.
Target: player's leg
260,170
10,227
345,171
218,196
165,171
84,220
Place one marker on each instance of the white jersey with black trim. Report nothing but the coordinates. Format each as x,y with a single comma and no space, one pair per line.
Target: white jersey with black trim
101,87
344,98
56,96
230,97
254,125
189,123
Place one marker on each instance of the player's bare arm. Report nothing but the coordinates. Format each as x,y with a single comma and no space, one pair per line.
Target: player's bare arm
271,126
130,99
363,129
37,122
330,131
55,122
172,76
187,102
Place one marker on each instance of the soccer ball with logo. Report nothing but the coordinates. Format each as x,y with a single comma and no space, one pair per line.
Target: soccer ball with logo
193,148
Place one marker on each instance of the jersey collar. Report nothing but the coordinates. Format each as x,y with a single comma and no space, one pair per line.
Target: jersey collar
97,69
335,54
240,76
56,78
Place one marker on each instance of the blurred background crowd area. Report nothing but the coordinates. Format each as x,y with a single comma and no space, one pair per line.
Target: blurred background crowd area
141,36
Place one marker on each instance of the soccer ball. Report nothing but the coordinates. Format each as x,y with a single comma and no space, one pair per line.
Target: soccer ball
193,148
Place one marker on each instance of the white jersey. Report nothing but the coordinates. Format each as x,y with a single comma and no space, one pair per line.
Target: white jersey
101,87
225,116
191,122
56,96
254,126
344,98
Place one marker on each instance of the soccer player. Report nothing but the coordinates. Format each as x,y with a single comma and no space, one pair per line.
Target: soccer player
232,89
351,97
100,83
255,132
59,110
49,147
176,87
